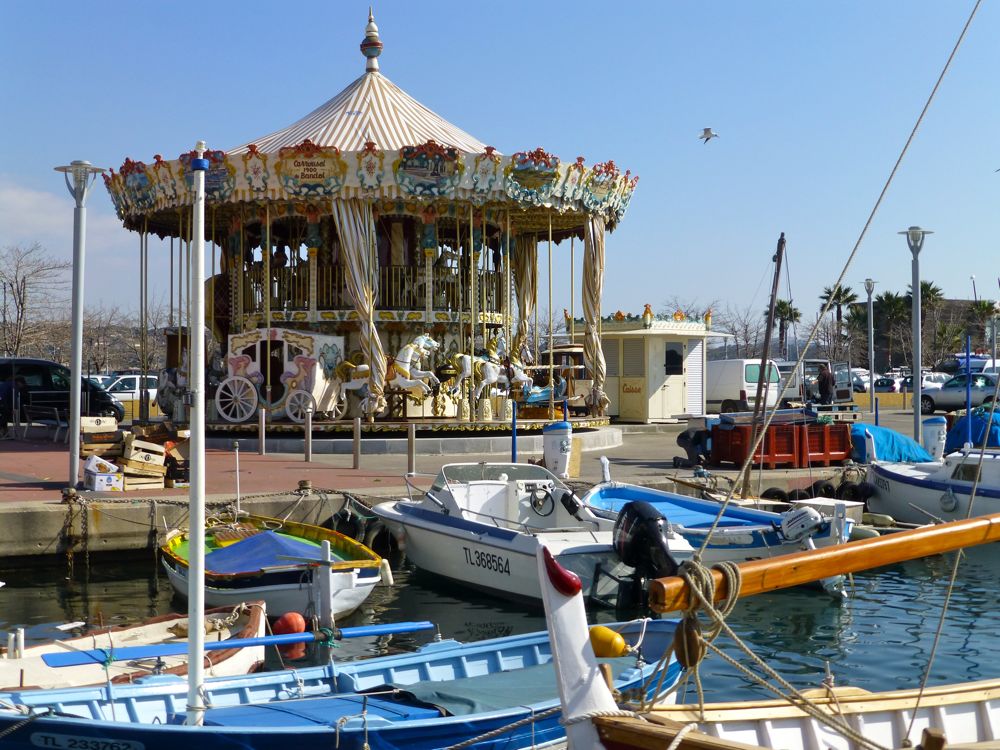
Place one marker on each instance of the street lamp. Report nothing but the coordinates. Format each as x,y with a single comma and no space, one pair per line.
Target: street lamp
83,176
870,287
915,241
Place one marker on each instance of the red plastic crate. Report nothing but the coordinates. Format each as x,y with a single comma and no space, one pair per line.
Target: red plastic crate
780,447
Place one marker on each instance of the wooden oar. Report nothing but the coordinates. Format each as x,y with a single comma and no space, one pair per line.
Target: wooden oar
671,594
100,655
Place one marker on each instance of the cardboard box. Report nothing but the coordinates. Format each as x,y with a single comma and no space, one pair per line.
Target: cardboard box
98,424
100,482
97,465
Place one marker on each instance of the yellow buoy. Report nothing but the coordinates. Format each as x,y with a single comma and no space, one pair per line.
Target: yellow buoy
607,643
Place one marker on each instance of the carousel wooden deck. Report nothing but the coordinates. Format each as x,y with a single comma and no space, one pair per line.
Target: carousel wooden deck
346,426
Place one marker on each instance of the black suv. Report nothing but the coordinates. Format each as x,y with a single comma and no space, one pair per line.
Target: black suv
47,384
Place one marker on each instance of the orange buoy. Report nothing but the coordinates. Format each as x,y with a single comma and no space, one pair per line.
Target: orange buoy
290,622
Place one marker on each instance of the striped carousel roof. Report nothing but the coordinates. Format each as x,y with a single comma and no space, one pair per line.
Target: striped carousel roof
372,108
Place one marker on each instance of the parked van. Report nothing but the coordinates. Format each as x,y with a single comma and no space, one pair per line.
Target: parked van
48,384
803,386
731,384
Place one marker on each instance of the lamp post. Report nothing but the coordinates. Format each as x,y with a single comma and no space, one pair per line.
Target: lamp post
915,241
870,287
79,176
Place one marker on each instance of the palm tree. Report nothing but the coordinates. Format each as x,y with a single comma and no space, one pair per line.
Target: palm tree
785,312
891,310
841,296
980,313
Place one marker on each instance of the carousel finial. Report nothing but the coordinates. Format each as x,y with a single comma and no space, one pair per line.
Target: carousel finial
371,47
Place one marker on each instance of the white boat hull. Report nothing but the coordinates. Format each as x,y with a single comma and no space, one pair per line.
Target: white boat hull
348,592
29,670
491,565
916,493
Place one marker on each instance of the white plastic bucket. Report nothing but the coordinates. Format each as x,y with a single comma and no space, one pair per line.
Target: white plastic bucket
557,442
933,434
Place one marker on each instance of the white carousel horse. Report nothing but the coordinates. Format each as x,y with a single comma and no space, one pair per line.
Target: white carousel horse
404,372
488,370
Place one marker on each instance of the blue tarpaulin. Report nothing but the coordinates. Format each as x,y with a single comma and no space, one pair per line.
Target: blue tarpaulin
259,551
889,445
958,434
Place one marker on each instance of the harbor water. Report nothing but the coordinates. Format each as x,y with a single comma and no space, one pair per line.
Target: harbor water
879,638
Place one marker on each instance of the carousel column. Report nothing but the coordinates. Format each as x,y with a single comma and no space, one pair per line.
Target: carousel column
313,270
505,250
484,408
428,242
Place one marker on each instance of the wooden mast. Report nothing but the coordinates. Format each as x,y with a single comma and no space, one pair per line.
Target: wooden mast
759,576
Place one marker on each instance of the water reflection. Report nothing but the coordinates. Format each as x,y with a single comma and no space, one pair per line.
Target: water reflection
878,639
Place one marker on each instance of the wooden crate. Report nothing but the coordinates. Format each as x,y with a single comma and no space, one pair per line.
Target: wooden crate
104,450
143,451
98,424
143,483
131,467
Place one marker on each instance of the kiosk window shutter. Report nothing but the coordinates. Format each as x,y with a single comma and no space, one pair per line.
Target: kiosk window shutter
610,347
633,364
695,378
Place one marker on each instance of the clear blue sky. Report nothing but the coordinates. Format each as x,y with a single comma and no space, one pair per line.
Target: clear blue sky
812,102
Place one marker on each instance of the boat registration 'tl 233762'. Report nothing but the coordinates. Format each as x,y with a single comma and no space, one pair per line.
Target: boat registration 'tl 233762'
488,560
73,742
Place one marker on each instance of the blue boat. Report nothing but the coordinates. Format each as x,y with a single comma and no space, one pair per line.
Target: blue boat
442,694
742,533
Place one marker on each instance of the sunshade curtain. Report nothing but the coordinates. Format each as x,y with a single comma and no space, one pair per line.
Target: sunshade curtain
525,267
356,228
593,285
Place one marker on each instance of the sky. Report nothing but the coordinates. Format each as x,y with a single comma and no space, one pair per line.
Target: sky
812,102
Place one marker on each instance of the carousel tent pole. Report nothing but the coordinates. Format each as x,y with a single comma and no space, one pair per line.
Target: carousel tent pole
266,252
534,336
170,294
572,291
472,314
196,495
552,384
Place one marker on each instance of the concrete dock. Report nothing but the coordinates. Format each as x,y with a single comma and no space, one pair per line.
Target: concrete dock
38,519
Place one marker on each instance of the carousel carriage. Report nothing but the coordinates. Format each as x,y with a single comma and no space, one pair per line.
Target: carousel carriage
290,372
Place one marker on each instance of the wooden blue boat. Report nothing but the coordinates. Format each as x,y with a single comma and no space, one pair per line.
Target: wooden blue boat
742,533
442,694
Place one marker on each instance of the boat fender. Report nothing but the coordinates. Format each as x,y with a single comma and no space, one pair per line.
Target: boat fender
372,532
823,488
775,493
800,523
850,491
866,489
948,501
385,573
799,495
607,644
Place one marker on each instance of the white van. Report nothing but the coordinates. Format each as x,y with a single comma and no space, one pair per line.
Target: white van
731,384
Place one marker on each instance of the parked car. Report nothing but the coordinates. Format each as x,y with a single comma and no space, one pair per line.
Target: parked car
128,388
47,383
859,384
887,384
102,380
930,381
951,395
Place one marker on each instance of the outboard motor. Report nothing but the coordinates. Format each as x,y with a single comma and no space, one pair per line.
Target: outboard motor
641,541
800,523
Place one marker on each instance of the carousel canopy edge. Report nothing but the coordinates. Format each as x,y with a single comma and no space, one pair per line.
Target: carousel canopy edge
307,173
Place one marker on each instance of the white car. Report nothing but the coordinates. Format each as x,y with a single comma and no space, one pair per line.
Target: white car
127,387
951,395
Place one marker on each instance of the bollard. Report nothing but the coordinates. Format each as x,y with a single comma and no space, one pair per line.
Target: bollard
876,412
261,431
411,448
357,442
308,442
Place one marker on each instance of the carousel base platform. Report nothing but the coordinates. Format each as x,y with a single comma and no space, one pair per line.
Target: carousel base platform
434,437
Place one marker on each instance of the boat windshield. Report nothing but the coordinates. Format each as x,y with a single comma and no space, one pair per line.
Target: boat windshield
464,473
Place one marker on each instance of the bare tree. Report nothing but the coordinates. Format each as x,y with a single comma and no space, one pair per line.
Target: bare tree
32,292
101,328
746,327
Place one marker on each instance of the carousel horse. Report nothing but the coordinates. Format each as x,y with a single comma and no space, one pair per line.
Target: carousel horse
488,370
404,372
342,377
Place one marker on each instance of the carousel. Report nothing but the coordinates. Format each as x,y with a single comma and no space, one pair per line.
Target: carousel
373,260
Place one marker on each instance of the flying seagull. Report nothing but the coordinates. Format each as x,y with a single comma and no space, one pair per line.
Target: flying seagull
707,134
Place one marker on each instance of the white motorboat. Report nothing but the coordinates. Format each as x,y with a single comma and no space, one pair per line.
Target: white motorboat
480,524
22,666
937,490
